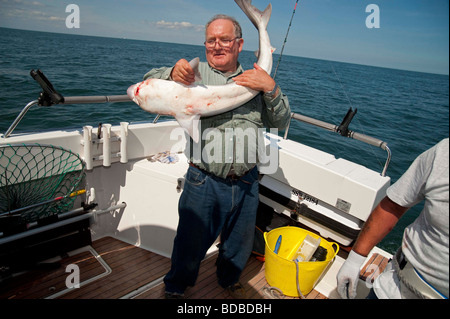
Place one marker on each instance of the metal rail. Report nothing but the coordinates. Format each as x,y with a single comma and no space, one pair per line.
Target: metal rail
354,135
69,100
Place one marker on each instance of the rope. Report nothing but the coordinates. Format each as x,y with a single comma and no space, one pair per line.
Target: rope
276,293
285,40
298,281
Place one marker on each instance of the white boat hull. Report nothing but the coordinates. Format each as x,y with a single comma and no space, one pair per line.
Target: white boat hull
151,189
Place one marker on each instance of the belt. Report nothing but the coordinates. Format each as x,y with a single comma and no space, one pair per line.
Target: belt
409,276
231,175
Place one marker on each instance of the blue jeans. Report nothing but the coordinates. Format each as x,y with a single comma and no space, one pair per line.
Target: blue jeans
371,295
211,206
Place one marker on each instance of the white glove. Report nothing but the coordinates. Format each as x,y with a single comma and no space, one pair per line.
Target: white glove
348,275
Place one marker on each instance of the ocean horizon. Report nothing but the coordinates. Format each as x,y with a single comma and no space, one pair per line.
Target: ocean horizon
276,54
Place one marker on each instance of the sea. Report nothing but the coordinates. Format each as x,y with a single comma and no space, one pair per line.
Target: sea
408,110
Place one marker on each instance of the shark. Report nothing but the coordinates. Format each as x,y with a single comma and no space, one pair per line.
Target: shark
188,103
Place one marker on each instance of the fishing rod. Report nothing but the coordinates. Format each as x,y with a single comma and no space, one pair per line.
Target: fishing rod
343,128
285,40
57,199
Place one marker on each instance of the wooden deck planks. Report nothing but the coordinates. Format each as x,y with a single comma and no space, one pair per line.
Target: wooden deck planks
252,278
133,267
373,267
41,283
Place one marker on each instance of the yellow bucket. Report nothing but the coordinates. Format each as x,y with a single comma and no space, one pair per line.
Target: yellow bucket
280,270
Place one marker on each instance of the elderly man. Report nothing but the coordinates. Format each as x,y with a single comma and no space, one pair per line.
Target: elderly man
220,196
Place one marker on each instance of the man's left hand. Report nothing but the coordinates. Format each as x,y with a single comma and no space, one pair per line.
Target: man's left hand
257,79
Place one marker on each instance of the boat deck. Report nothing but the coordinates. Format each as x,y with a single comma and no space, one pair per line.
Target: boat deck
122,270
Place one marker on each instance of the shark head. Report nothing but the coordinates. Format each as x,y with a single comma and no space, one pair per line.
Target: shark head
131,92
134,90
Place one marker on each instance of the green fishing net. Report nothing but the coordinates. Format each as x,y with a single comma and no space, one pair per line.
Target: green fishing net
32,174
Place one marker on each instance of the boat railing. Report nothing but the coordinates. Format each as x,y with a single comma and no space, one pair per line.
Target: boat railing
49,96
343,130
68,100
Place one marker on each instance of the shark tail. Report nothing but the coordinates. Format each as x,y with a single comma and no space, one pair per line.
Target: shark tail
260,19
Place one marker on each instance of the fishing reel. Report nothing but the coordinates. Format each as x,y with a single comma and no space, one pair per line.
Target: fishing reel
343,128
49,96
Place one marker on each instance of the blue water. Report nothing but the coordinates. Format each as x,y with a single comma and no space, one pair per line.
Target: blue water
408,110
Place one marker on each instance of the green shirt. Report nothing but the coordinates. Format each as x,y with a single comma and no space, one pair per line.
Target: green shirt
230,140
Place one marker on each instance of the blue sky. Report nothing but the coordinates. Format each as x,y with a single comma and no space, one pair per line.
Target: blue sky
413,34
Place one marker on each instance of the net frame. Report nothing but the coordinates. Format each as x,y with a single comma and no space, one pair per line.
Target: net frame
35,173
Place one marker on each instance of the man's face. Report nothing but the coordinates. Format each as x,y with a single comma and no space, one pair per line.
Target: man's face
223,58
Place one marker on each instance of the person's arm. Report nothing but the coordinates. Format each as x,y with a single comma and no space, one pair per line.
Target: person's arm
160,73
278,110
256,79
182,72
380,222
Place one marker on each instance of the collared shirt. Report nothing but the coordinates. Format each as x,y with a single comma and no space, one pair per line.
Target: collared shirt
232,140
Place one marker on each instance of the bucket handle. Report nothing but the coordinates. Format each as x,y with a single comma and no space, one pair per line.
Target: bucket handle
336,250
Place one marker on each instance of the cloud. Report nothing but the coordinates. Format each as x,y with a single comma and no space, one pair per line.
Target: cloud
179,26
27,10
39,15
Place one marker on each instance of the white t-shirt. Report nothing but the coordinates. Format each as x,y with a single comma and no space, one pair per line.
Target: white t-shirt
425,242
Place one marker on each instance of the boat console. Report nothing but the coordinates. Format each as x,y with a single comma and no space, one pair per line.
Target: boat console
332,196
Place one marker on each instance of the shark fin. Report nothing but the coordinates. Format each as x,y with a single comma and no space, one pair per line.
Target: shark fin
272,49
266,15
191,125
194,64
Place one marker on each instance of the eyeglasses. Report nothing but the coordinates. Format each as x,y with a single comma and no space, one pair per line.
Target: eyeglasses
211,44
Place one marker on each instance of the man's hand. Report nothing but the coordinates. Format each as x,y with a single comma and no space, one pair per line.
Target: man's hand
183,73
348,275
257,79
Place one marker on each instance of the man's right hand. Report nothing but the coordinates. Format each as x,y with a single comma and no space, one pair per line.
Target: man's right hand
183,73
